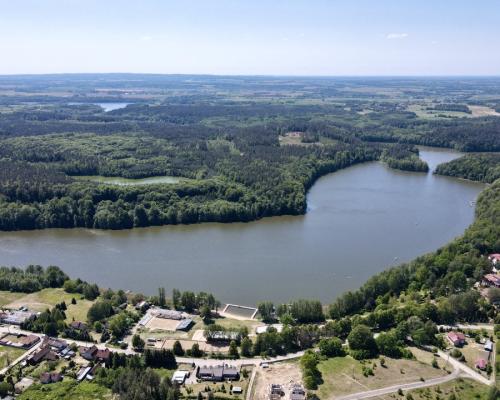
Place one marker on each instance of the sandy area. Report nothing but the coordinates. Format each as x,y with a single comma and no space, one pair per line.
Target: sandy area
483,111
162,324
284,374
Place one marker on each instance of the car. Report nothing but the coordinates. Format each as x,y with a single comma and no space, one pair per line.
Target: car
264,365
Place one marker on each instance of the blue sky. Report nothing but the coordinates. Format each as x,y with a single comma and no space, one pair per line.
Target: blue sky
356,37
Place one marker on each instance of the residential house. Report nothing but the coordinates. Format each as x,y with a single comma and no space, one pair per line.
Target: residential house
481,364
218,373
89,353
82,373
491,280
456,338
45,353
17,317
50,377
78,325
494,258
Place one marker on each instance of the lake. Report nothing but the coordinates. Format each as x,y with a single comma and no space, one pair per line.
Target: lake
360,221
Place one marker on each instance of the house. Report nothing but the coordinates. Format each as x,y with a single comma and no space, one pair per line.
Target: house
143,305
218,373
22,385
168,314
29,341
57,344
297,393
265,328
184,325
89,353
82,373
237,390
19,340
50,377
481,364
103,355
179,377
456,338
494,258
79,326
491,280
17,317
45,353
488,346
210,373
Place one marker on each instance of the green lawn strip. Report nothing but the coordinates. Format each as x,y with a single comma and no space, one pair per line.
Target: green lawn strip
67,389
9,354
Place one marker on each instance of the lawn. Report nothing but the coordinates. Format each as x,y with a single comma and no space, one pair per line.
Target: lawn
462,388
8,297
344,375
67,389
9,354
48,298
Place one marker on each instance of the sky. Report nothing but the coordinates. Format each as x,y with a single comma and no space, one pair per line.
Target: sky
253,37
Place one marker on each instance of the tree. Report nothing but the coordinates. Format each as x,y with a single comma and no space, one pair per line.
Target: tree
246,347
233,350
196,351
161,297
361,342
331,347
177,349
266,311
118,325
388,344
137,343
5,389
310,372
205,313
188,301
176,298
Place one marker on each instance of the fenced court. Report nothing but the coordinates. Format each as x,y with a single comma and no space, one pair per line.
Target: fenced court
238,311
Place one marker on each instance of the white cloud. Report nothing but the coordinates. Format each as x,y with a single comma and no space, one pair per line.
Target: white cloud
396,36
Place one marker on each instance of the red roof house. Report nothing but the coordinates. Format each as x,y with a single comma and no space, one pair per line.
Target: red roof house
481,364
456,338
494,258
491,280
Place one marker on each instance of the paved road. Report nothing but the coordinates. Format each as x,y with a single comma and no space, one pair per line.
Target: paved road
406,386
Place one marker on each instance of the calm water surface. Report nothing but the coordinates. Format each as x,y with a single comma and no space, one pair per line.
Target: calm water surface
360,221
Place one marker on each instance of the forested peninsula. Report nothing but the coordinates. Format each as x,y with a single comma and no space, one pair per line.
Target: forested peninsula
228,149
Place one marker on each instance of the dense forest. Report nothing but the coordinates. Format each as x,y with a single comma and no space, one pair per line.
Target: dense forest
404,158
239,148
476,167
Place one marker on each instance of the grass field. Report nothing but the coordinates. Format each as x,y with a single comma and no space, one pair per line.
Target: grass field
8,354
343,375
9,297
67,389
462,388
48,298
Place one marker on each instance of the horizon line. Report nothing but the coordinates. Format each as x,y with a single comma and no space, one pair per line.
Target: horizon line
257,75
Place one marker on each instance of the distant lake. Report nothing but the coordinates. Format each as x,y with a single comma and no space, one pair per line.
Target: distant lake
105,106
360,221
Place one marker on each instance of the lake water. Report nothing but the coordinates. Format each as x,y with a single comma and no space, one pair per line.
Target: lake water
360,221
